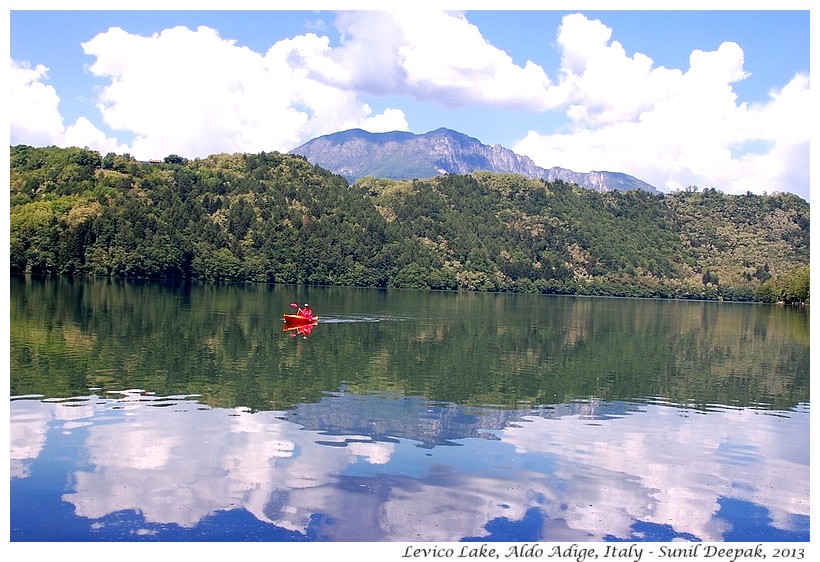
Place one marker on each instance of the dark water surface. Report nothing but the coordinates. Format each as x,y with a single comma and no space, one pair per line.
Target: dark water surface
157,412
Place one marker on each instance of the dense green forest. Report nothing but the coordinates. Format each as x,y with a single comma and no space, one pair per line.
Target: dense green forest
276,218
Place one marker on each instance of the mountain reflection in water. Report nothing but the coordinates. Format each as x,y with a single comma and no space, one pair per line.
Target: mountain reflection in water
181,412
399,468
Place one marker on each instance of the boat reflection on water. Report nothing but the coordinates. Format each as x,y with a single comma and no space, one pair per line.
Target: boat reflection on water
303,330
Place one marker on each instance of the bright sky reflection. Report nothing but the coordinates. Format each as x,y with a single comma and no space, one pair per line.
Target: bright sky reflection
589,471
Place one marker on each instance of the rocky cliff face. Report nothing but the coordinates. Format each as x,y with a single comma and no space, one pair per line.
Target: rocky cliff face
401,155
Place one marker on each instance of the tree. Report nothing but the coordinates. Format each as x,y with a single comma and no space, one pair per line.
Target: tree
174,159
240,217
795,286
108,161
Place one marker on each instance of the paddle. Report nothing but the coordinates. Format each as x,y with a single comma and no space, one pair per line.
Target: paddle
301,312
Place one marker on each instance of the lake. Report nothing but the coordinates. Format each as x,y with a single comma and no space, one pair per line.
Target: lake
145,411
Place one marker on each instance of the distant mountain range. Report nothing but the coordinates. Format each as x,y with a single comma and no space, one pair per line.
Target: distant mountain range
401,155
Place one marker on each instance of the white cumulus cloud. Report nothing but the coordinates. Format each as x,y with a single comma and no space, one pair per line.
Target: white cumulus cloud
35,117
431,55
670,127
193,92
390,120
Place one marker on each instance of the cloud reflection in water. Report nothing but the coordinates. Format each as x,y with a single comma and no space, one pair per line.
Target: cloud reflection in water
343,469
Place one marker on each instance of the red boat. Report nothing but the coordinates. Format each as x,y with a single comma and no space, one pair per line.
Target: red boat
299,319
303,317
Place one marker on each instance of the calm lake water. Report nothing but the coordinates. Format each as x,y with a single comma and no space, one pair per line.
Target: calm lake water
163,412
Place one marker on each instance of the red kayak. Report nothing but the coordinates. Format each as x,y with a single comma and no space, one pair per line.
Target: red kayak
299,319
303,317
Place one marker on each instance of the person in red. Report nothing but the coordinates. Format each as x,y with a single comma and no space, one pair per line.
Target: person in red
306,311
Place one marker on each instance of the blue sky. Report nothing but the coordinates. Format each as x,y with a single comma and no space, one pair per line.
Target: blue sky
676,98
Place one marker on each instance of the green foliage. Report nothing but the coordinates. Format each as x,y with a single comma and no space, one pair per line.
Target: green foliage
276,218
791,288
174,159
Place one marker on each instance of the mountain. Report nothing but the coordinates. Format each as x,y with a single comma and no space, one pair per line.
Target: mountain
401,155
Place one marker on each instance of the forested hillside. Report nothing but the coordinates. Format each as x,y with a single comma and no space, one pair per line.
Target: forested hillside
275,218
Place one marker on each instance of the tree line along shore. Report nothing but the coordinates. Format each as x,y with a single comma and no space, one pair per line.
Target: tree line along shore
276,218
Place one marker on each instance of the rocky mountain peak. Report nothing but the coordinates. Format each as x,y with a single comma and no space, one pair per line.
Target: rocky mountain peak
356,153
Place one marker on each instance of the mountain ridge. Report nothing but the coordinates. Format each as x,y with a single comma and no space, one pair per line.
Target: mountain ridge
356,153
